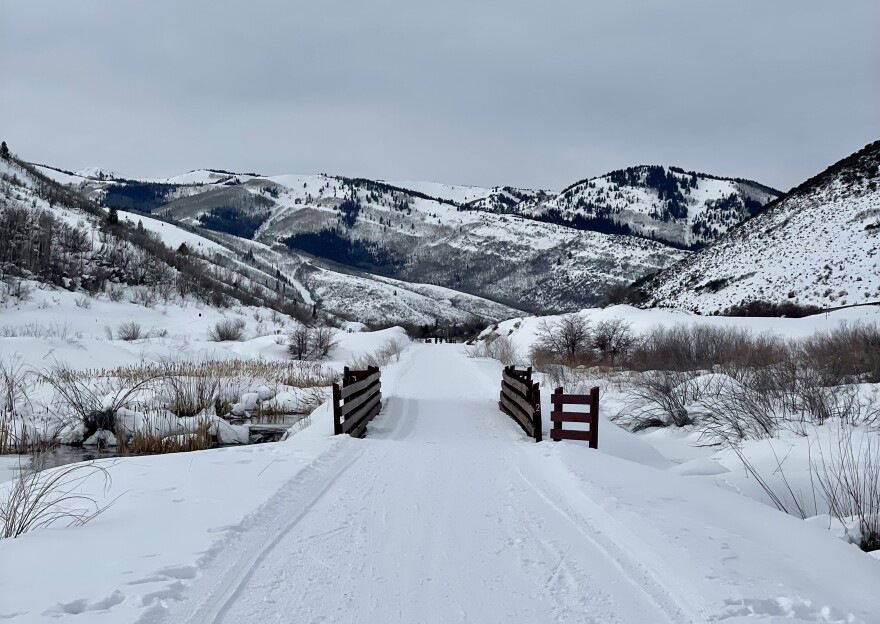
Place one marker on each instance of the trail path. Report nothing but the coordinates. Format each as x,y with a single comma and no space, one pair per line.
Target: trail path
446,513
437,517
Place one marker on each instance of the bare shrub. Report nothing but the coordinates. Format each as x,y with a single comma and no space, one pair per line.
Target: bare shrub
850,352
844,475
15,384
83,302
115,293
703,347
660,399
310,343
299,343
37,500
81,397
848,475
613,339
129,331
228,329
144,296
323,340
568,339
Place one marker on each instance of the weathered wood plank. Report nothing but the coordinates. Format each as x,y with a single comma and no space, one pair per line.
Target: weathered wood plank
361,429
347,391
357,401
523,403
517,384
558,416
361,415
570,434
514,411
571,399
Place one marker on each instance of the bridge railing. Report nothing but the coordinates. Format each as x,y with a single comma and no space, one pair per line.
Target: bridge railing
559,416
521,400
357,401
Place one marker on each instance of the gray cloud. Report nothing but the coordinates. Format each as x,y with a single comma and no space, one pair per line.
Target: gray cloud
480,92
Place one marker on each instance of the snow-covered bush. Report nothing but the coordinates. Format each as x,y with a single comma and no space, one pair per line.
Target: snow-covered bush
228,329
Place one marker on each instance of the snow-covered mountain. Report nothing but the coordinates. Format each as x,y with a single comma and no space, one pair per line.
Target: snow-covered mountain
141,257
685,209
417,232
819,245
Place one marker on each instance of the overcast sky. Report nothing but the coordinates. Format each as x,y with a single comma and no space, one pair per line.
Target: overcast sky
525,93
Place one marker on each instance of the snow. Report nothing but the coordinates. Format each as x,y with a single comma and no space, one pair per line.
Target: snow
523,331
818,247
173,235
445,512
99,173
452,192
60,176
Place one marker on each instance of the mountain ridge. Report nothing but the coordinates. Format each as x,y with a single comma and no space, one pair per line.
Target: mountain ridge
816,246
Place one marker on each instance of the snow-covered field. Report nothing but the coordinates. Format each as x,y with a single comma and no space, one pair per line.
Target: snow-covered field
57,328
796,451
445,512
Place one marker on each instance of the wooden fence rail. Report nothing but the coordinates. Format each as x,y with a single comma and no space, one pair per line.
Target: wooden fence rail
559,416
357,401
521,400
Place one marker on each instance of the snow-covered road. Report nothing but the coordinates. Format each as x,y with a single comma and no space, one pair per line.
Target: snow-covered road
446,512
445,515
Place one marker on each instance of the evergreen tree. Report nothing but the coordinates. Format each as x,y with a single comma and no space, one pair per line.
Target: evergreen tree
183,250
113,217
4,151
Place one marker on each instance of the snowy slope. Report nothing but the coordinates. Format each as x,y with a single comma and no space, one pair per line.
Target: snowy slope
818,245
532,249
412,237
443,513
286,274
453,192
682,208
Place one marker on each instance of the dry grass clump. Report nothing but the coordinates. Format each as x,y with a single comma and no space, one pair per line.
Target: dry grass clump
39,499
848,476
129,331
386,354
149,443
496,347
289,373
61,331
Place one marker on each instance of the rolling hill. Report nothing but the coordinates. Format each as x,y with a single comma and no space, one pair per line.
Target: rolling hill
819,245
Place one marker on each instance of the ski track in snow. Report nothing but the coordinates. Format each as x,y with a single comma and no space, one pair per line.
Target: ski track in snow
439,516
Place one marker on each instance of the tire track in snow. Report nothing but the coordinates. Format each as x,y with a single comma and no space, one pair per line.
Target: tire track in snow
629,554
207,600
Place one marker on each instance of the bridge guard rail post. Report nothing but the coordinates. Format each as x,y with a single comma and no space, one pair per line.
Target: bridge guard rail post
591,417
357,401
520,399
